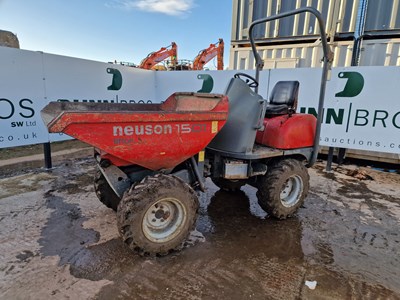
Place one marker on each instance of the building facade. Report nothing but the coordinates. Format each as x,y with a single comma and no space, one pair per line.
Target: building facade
291,42
360,32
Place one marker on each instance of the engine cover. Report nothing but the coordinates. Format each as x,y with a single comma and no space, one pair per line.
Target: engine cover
288,132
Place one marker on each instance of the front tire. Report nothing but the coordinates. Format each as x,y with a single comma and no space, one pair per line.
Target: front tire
104,192
282,190
157,215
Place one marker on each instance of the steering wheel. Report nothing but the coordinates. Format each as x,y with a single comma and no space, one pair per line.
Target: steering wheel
251,81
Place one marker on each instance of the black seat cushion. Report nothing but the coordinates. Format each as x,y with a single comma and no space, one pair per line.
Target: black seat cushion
277,109
283,98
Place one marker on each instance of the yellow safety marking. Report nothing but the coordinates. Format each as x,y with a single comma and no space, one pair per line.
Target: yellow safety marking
214,126
201,156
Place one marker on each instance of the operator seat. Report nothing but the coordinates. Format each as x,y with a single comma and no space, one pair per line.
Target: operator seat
283,99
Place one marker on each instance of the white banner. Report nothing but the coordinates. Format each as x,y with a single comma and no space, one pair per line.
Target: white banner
201,81
78,80
21,98
29,80
362,110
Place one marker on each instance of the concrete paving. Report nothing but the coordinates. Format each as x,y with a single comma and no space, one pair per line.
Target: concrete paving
57,240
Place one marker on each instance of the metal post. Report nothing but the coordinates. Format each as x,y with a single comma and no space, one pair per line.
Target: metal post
340,156
330,159
355,58
359,32
47,156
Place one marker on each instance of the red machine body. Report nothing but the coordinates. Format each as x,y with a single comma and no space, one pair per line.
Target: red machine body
288,132
154,136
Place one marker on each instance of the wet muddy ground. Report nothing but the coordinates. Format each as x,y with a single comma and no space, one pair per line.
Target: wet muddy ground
58,241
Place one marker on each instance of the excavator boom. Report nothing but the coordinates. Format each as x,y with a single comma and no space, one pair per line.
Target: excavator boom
208,54
155,57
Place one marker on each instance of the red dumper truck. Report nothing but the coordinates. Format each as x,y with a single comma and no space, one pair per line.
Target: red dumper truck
153,158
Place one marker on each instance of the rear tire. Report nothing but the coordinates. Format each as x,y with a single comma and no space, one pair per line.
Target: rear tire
228,185
156,216
104,191
282,190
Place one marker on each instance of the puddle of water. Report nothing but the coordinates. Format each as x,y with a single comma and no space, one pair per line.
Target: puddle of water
63,234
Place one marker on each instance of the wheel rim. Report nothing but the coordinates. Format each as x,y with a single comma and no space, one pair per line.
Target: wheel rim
291,191
164,220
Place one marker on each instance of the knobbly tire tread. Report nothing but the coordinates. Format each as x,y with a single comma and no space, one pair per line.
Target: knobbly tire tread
104,192
139,198
270,186
228,185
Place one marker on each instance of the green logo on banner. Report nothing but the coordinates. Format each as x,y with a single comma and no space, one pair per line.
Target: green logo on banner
116,80
208,83
354,84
